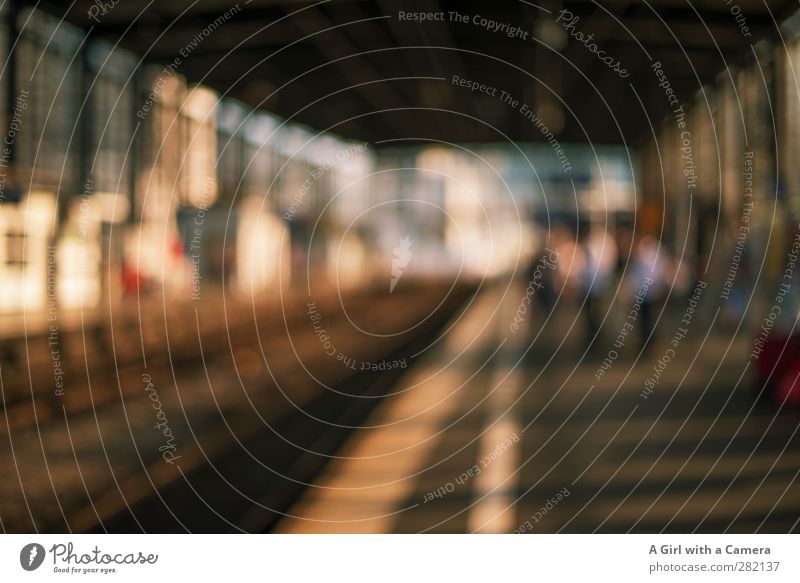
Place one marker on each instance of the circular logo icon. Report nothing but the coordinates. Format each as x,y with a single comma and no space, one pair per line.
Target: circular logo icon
31,556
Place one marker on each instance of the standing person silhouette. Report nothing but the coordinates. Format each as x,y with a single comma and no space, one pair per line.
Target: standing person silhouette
647,284
600,251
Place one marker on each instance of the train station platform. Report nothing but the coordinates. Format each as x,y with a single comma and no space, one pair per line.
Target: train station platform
252,426
498,432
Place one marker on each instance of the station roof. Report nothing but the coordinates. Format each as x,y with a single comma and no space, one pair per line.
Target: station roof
367,71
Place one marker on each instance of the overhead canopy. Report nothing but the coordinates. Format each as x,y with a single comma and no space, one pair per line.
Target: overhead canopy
369,70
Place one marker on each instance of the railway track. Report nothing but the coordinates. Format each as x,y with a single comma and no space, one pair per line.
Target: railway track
239,403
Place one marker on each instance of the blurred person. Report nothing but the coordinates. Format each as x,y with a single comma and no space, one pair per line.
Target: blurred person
601,255
682,275
734,309
539,283
738,274
542,272
572,263
647,283
624,245
569,277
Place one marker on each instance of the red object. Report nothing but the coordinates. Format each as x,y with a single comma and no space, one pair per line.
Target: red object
788,389
132,280
778,369
176,248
